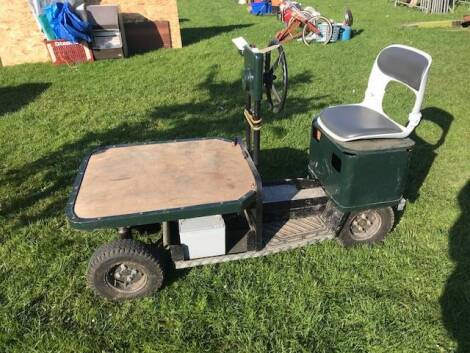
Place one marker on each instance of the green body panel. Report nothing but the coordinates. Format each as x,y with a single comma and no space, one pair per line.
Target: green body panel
360,174
253,73
143,218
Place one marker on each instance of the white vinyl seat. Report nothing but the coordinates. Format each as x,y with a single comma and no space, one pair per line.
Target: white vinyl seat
367,120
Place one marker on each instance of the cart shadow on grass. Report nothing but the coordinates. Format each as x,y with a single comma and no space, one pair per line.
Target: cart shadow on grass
455,300
13,98
425,152
455,305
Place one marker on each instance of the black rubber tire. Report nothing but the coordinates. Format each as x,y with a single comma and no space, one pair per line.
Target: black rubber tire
129,251
387,220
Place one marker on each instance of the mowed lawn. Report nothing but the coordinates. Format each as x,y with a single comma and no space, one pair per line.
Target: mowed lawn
410,295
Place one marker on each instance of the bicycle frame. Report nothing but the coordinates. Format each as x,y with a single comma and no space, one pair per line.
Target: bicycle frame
297,21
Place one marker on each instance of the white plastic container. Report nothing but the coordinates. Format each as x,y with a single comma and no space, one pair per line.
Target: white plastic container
202,236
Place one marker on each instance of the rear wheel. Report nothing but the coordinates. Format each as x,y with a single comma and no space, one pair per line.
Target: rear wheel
124,269
367,227
325,27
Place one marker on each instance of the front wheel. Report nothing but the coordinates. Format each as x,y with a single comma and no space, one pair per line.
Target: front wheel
124,269
367,227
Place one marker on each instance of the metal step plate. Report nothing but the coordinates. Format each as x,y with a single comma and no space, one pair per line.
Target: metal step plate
289,192
288,234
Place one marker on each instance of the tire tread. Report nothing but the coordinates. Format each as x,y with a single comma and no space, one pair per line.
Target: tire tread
121,247
345,238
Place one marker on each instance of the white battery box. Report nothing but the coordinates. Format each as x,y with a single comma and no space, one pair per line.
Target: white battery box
202,236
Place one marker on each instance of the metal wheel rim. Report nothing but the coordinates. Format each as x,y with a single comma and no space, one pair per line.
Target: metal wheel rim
321,19
126,277
307,36
365,225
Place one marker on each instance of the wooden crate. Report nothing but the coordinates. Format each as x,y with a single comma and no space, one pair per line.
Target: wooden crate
64,52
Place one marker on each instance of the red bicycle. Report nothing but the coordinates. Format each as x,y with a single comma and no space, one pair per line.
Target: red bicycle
306,23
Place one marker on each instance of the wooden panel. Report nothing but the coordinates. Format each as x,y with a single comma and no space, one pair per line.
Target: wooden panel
154,177
21,41
145,36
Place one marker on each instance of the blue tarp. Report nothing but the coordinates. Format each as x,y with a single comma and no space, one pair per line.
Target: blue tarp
66,24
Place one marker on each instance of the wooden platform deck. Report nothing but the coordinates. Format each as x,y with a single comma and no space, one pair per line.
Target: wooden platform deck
134,179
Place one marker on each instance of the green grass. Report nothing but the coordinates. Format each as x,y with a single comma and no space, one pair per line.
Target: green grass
410,295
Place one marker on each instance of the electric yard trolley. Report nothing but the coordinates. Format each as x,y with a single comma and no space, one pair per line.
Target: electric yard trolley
210,200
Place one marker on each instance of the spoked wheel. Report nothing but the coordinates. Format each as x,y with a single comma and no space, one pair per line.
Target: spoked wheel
367,227
325,27
124,269
276,78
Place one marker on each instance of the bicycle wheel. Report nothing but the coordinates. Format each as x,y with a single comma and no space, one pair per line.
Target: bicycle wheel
308,36
276,78
326,31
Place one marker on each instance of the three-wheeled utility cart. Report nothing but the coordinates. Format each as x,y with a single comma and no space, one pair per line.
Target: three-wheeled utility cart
211,202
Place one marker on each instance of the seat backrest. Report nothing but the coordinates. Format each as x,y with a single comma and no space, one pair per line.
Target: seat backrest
402,64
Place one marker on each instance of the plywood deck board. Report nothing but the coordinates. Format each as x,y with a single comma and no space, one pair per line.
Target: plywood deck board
143,178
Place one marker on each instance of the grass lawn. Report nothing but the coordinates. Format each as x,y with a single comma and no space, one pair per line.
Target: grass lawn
410,295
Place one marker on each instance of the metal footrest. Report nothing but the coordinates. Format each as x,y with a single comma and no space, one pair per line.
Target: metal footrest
288,234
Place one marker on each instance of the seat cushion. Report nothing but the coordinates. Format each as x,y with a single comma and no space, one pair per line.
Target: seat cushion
352,122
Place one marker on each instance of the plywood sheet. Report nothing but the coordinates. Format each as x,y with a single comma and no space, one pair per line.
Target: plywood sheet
154,177
21,41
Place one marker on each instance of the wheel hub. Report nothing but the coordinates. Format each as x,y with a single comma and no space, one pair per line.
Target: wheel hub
126,277
365,225
269,78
